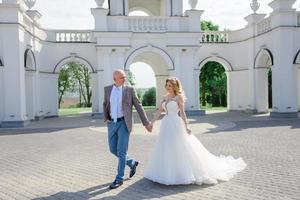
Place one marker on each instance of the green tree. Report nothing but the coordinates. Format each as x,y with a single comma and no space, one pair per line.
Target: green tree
209,26
75,77
81,74
213,86
149,98
131,79
64,83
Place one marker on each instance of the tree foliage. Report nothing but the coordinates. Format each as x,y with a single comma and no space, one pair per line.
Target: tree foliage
75,77
149,98
209,26
213,86
131,79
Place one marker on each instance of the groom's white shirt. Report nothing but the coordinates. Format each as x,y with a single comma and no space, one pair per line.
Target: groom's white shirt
116,103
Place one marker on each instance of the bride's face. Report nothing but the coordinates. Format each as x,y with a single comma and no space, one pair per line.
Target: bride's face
169,87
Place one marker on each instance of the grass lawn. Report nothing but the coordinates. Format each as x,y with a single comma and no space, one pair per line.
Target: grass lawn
73,111
76,111
209,107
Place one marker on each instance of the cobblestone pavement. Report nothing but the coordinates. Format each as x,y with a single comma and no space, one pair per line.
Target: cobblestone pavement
68,158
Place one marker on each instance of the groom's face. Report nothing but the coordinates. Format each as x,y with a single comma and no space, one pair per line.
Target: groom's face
120,79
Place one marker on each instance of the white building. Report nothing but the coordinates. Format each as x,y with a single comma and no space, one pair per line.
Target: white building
169,40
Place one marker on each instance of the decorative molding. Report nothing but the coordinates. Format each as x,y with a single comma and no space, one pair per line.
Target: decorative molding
226,64
149,46
268,52
297,58
76,57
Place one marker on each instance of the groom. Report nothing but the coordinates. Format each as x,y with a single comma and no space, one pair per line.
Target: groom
117,108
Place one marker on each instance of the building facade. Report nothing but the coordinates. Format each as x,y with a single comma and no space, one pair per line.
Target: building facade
169,40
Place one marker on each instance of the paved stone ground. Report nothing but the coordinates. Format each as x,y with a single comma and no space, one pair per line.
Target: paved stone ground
68,158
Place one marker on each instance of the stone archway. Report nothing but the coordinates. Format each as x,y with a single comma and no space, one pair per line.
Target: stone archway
228,68
76,58
49,84
160,62
263,63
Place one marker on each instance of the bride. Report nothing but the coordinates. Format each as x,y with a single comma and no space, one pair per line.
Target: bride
179,157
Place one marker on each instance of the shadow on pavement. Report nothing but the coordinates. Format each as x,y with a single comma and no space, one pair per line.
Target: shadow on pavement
142,189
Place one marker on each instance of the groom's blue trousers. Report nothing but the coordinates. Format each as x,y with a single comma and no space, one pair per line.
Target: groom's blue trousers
118,139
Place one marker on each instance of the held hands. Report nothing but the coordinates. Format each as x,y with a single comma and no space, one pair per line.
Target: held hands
149,127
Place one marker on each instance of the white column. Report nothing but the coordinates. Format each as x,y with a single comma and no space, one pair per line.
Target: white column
261,88
117,7
49,94
284,75
100,17
14,78
194,17
252,90
39,112
186,77
197,88
229,89
177,7
30,92
168,7
95,93
100,78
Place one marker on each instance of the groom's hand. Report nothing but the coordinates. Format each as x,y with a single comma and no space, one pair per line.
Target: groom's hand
149,127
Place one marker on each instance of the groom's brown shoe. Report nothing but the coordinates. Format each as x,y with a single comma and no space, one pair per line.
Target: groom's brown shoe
133,169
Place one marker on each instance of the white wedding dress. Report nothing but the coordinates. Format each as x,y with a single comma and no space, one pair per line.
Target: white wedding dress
180,158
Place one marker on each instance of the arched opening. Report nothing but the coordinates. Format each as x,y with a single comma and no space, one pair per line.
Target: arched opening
1,63
63,83
151,8
74,89
142,77
30,84
214,87
139,11
263,81
297,63
29,60
154,60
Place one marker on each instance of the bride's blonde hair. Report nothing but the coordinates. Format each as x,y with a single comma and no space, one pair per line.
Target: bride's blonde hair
177,86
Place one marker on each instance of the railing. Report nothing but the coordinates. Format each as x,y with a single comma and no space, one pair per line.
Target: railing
215,37
73,37
147,24
264,26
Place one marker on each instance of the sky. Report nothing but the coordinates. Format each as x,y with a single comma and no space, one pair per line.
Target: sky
76,14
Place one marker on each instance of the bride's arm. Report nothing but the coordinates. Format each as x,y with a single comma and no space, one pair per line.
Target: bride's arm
182,112
158,112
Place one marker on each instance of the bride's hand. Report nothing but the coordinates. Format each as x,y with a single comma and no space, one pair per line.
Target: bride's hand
188,130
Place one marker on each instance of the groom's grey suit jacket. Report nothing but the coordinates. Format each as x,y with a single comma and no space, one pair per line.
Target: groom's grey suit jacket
129,99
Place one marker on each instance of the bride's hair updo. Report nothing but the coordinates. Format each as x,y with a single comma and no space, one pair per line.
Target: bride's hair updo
176,86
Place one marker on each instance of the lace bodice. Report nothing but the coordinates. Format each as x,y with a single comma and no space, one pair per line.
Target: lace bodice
171,107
